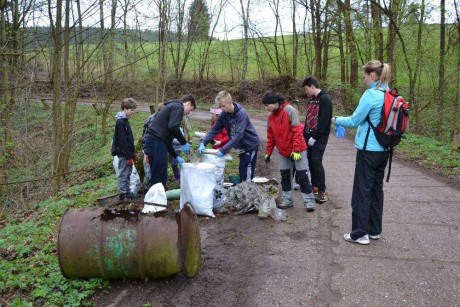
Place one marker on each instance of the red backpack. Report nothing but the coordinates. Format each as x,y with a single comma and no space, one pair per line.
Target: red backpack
393,122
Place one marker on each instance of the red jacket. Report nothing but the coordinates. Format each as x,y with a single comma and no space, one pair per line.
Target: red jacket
222,137
284,131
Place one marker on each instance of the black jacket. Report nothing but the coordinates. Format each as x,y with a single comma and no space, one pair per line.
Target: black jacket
166,125
323,127
123,139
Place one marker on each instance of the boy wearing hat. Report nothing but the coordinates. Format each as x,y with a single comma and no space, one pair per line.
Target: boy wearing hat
285,133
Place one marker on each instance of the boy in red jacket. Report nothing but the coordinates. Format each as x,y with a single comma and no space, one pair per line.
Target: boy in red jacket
284,132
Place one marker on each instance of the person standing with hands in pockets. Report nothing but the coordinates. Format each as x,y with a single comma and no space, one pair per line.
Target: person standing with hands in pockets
284,132
316,133
371,157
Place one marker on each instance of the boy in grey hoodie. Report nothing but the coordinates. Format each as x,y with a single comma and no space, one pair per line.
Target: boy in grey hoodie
123,147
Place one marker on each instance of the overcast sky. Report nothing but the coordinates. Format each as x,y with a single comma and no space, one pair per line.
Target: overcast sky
261,15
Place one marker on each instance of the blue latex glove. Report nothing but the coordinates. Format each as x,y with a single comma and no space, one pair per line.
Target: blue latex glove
220,154
201,148
185,148
180,160
340,131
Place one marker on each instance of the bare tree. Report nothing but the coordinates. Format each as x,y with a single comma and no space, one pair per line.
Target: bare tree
164,9
57,142
204,55
245,18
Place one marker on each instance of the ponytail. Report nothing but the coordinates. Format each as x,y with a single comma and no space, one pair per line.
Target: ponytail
382,70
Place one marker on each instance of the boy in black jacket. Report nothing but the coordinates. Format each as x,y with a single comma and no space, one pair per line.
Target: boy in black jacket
316,134
123,147
160,134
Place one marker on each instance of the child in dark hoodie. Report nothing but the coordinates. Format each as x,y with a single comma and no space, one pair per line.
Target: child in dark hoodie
123,147
243,136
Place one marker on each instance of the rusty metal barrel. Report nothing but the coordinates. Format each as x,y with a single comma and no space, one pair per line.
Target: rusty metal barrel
110,243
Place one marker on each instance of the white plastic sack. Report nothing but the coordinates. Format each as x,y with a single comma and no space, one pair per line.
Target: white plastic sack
134,180
157,195
197,183
219,196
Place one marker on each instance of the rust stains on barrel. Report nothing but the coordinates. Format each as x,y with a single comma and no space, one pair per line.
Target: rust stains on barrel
104,242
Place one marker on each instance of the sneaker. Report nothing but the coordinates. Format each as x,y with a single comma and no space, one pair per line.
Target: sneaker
310,206
284,206
364,240
315,190
376,237
296,187
321,197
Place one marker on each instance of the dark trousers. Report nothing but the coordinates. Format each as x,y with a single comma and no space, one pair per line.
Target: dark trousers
157,152
315,162
367,197
247,165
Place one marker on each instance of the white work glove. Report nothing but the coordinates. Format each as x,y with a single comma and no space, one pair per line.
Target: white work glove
311,142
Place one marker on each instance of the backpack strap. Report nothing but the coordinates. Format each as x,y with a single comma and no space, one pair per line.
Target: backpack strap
391,148
368,131
389,164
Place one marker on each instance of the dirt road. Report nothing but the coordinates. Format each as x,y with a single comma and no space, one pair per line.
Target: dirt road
304,261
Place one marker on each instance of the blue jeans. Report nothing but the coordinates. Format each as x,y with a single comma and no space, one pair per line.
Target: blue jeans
158,156
247,165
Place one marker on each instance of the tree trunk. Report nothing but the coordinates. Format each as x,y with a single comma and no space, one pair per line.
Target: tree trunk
377,31
245,16
163,28
57,93
316,32
326,32
442,52
391,44
295,41
345,9
457,79
418,62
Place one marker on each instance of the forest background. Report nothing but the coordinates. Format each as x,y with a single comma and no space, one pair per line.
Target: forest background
55,151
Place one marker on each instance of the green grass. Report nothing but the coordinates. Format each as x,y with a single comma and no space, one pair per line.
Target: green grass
430,153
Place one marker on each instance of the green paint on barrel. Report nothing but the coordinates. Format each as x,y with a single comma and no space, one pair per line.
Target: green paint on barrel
101,243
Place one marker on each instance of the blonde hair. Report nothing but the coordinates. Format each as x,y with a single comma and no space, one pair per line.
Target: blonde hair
223,97
382,70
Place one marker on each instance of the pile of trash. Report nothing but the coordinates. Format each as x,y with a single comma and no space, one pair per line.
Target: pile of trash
259,195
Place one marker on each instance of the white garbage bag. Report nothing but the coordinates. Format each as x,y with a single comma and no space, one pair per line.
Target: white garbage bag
197,183
134,180
157,195
219,195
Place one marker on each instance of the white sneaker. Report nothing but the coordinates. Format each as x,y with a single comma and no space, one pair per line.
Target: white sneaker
310,206
364,240
376,237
